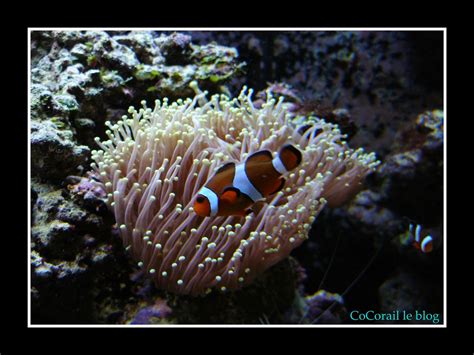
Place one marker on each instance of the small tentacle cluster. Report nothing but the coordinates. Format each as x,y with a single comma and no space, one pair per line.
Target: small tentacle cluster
155,161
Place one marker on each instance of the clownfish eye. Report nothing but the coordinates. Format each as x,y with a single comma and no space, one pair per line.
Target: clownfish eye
200,199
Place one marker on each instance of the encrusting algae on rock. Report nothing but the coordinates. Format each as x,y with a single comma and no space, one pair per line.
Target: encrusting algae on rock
156,160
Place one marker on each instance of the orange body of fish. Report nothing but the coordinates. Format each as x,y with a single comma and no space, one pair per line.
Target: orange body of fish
234,188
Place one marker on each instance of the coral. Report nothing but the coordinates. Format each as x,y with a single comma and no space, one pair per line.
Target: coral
153,314
414,171
88,192
154,163
321,307
79,79
324,308
381,77
89,75
54,154
76,266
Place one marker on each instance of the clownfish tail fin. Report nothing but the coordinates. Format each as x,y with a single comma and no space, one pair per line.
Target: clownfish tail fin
290,156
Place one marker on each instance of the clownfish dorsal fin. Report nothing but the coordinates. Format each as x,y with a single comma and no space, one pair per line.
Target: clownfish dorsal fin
290,156
260,156
230,194
225,167
280,186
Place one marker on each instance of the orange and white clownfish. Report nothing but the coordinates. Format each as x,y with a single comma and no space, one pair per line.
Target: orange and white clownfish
425,243
236,187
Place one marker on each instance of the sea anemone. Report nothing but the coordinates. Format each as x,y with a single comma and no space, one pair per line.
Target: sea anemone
156,160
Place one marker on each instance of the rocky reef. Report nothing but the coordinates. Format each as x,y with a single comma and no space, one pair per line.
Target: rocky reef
382,78
78,81
384,90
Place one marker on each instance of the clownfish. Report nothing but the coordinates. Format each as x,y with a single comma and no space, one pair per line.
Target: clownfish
425,243
234,188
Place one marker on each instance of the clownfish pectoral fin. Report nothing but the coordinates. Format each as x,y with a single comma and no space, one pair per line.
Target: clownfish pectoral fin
230,194
290,156
280,183
225,167
260,156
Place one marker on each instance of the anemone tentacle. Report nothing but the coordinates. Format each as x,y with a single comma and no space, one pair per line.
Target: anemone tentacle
155,161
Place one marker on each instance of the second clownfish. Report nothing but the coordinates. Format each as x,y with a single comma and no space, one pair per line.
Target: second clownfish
236,187
421,240
425,243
